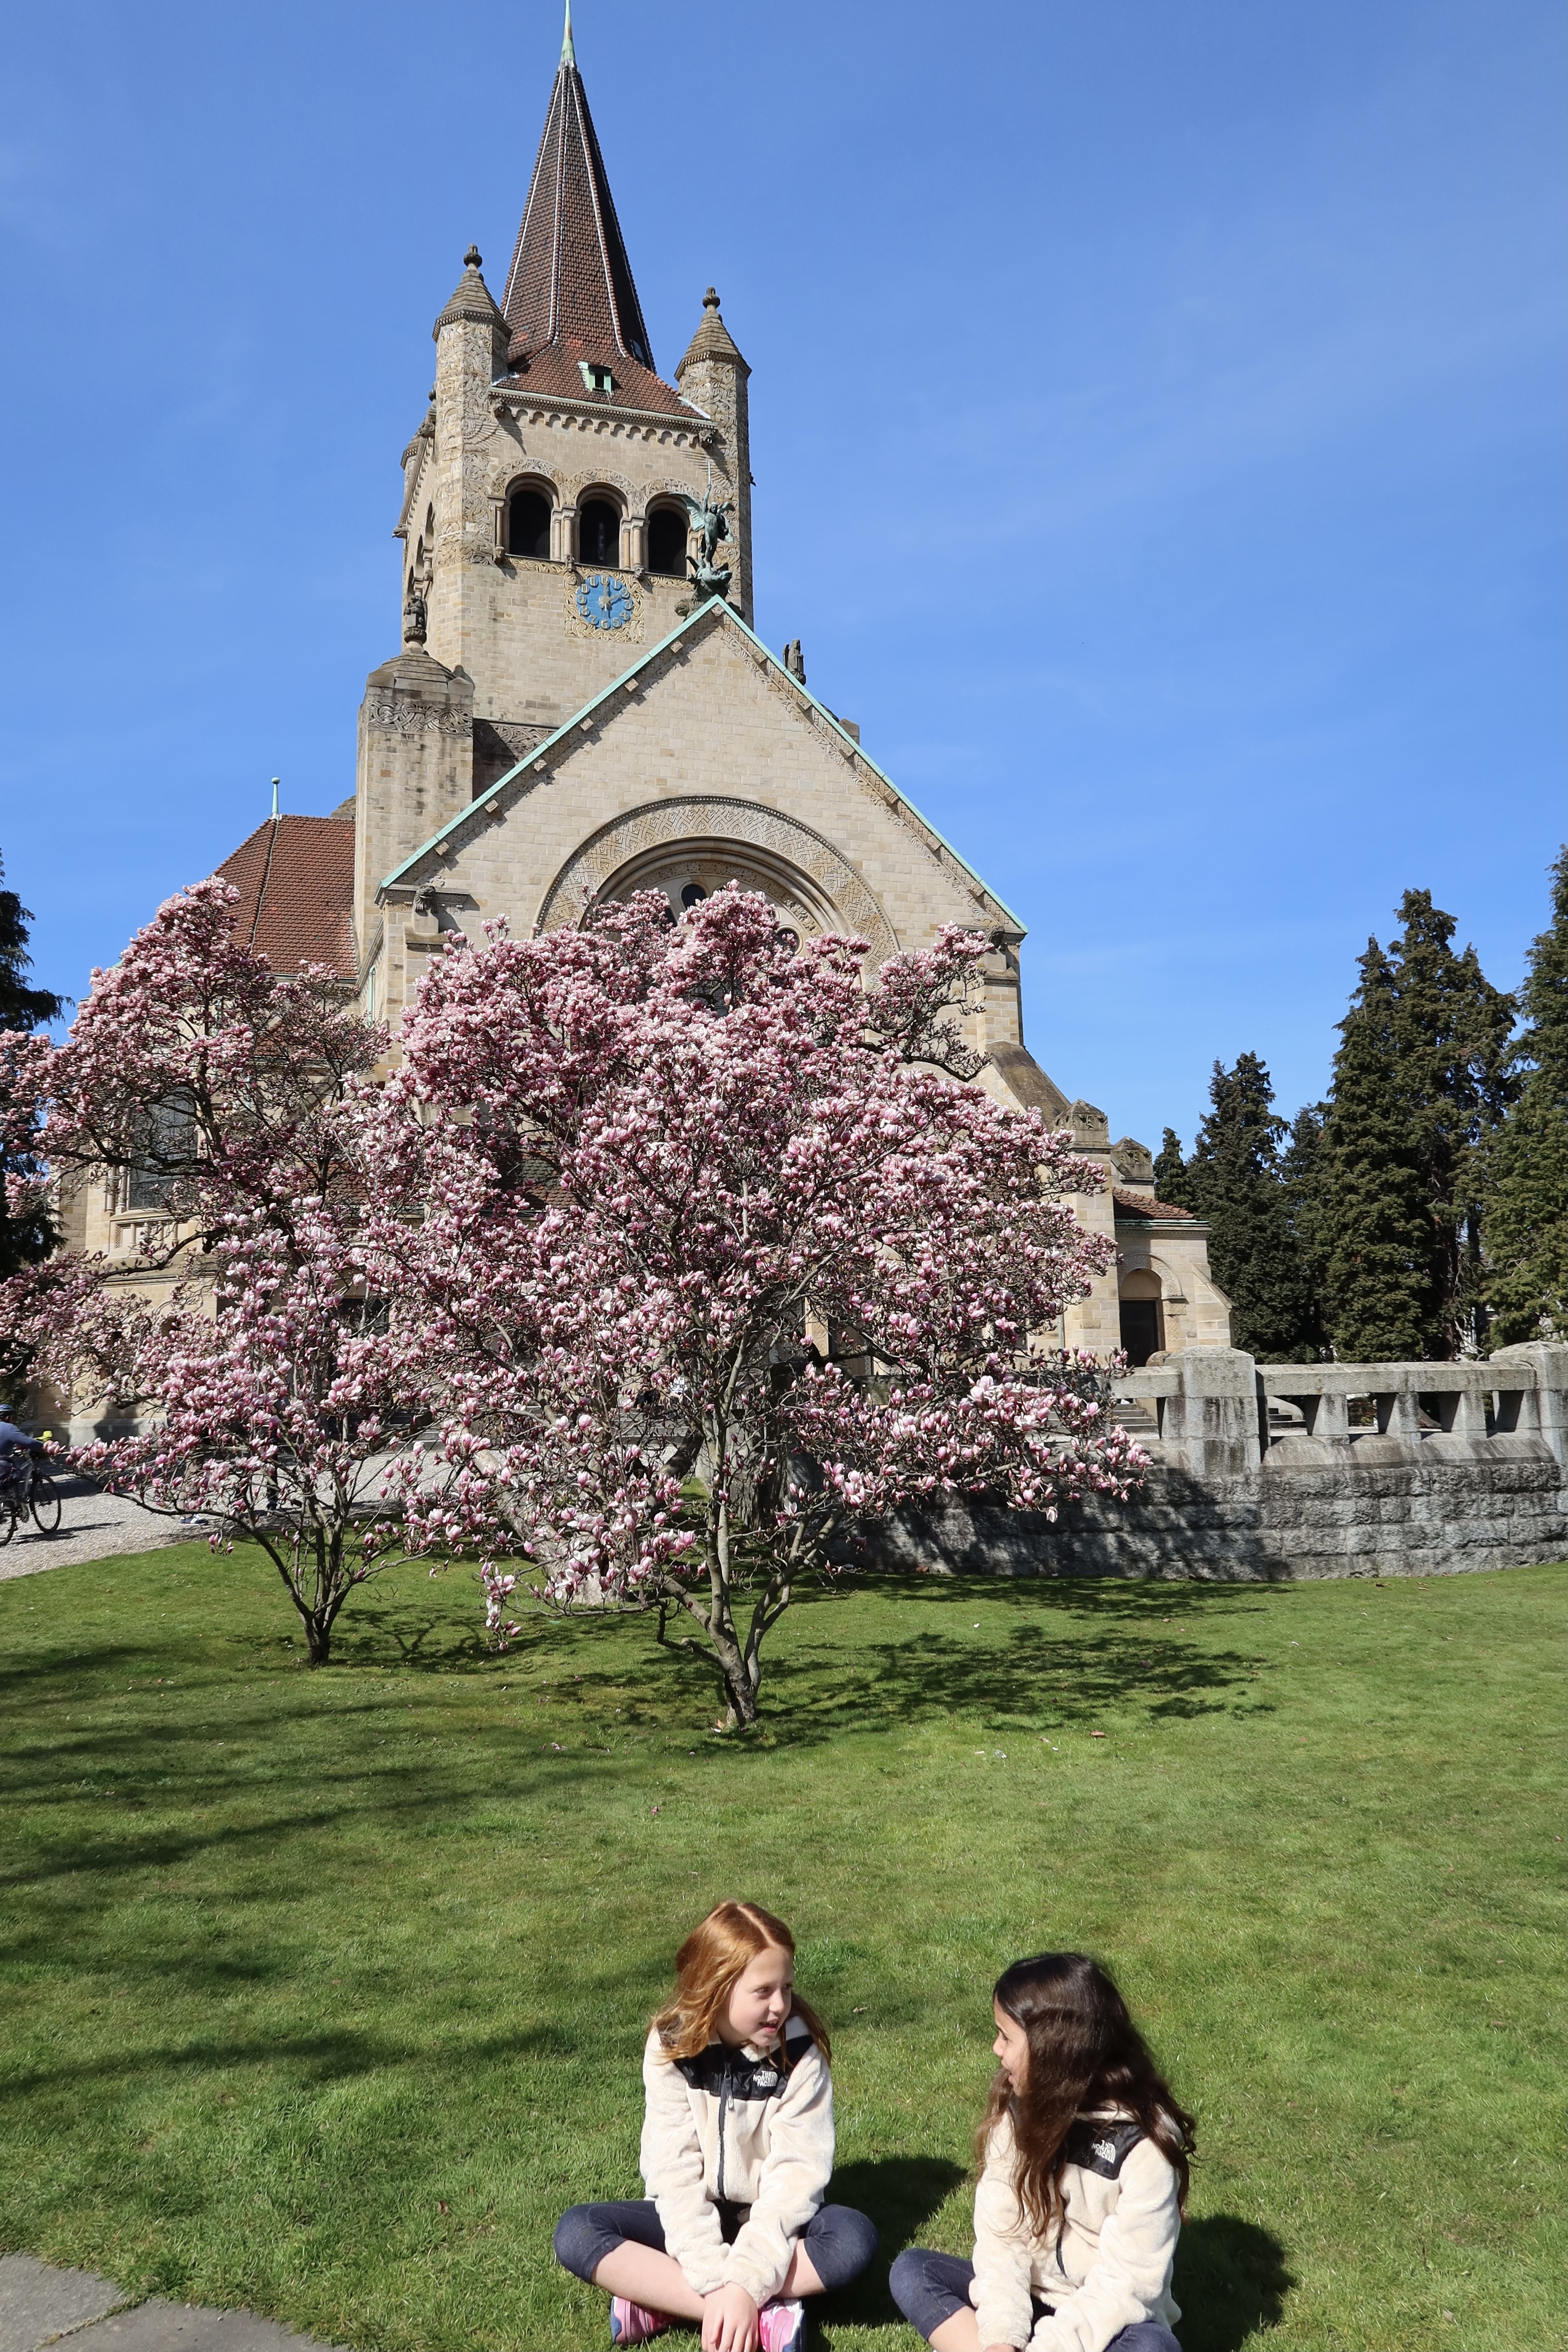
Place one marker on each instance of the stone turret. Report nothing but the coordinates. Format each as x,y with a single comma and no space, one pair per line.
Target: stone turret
713,376
471,337
415,772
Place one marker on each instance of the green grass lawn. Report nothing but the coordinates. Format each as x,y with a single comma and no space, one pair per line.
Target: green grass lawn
324,1992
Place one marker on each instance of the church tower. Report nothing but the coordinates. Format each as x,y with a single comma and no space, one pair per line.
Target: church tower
581,708
546,518
550,496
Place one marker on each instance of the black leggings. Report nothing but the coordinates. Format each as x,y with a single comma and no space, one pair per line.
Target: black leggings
929,2288
839,2240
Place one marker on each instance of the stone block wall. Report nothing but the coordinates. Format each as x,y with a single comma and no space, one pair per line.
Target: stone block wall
1459,1466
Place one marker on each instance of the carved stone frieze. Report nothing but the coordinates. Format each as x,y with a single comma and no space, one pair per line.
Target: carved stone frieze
794,865
403,715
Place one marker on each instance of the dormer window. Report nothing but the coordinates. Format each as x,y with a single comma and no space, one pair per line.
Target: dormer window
597,378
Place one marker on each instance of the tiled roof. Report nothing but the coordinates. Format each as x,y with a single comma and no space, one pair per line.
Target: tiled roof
1144,1204
295,876
553,373
570,294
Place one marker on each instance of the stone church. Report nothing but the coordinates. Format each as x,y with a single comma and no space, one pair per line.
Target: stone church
581,708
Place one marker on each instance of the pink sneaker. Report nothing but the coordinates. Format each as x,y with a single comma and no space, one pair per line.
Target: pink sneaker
629,2324
782,2326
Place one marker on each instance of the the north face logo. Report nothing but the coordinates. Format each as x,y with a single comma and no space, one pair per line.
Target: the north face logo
1105,2150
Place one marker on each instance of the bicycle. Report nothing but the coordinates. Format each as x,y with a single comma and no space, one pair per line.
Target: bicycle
29,1491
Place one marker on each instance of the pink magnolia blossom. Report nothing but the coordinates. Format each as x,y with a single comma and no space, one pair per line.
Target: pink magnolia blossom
719,1257
273,1388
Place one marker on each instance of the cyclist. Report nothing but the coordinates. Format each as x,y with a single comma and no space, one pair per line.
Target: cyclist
15,1447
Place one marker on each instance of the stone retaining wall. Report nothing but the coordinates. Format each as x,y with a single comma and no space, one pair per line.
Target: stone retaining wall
1460,1466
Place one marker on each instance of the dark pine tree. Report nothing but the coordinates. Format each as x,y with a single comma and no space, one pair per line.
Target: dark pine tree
1369,1216
23,1239
1300,1173
1451,1031
1524,1162
1172,1181
1235,1182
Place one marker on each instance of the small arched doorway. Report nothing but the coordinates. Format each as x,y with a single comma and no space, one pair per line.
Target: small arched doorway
1143,1317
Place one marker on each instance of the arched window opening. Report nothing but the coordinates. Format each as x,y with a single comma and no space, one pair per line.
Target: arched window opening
528,525
667,542
692,895
166,1134
598,532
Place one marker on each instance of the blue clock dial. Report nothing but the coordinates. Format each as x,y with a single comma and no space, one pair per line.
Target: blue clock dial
604,601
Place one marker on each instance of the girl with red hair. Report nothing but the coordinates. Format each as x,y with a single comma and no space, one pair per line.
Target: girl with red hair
737,2148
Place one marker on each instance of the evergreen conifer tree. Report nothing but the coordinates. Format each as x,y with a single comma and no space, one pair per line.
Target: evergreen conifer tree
1451,1031
28,1235
1525,1159
1235,1182
1420,1078
1369,1213
1172,1182
1300,1173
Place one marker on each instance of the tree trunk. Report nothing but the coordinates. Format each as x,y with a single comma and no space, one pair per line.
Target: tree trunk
742,1698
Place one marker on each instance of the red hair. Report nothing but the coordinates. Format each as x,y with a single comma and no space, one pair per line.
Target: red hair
709,1967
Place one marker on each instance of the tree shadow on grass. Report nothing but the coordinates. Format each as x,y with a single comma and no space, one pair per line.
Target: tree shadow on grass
1231,2281
900,2194
1052,1661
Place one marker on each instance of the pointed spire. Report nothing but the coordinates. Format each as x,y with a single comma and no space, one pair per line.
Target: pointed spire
712,340
472,298
570,283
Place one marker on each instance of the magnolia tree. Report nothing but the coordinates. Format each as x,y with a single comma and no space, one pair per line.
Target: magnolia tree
271,1385
721,1257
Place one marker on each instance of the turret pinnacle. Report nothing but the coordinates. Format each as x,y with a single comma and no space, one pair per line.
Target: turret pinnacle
472,298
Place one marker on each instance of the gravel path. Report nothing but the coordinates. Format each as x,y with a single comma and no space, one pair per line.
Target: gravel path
92,1527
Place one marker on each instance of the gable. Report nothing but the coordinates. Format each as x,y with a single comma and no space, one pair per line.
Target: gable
709,744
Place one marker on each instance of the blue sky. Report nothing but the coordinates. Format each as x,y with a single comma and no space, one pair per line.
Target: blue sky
1156,420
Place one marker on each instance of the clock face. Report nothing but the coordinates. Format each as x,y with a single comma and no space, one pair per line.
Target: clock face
604,601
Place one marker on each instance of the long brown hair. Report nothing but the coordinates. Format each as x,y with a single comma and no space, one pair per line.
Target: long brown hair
1084,2054
709,1965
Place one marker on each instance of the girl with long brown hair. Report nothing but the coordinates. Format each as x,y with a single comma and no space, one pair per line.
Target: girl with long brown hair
1084,2172
737,2148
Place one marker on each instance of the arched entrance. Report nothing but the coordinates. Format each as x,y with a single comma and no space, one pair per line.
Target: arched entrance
1143,1316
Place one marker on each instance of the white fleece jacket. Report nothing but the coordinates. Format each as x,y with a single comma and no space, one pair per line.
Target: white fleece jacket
1107,2264
743,2127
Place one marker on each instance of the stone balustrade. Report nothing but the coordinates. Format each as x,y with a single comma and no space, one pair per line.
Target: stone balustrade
1211,1409
1270,1471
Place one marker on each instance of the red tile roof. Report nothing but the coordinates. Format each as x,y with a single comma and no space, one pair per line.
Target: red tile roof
552,372
569,293
1144,1204
295,876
